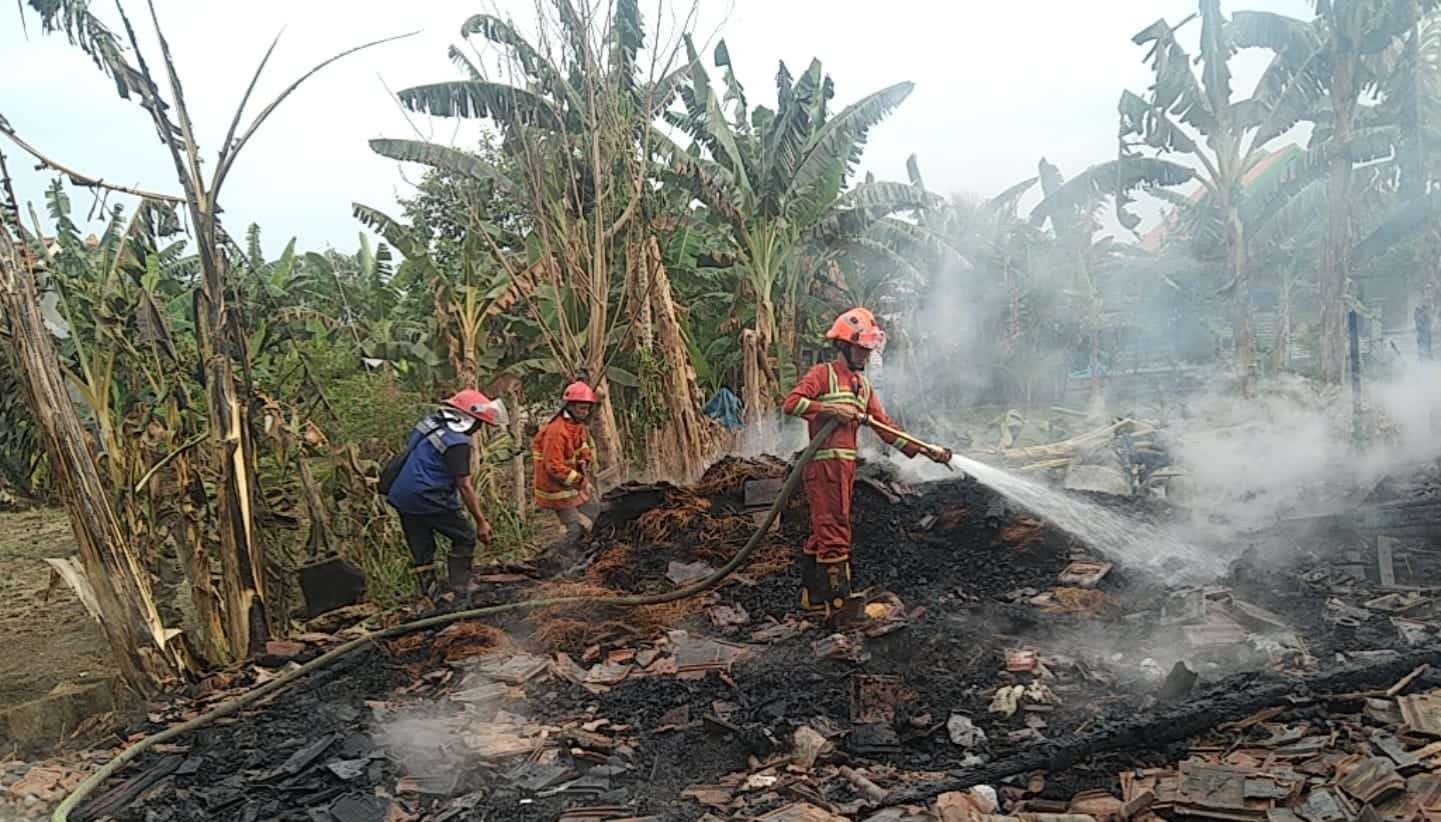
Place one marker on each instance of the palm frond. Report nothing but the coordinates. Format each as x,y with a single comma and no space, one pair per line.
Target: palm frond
1176,89
459,59
507,105
791,128
532,61
627,34
1215,58
1292,40
838,143
1152,125
400,236
1005,203
735,94
445,158
1116,178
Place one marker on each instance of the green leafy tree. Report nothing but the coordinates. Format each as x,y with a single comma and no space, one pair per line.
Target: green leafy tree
1189,112
575,135
777,179
1361,65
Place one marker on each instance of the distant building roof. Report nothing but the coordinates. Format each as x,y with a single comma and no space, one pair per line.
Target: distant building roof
1270,164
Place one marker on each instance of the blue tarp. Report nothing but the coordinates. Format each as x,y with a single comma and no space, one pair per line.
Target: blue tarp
724,407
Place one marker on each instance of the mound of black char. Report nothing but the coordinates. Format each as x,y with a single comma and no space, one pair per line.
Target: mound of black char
964,565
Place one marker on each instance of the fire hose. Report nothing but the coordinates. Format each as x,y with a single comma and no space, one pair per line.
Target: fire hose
867,419
85,788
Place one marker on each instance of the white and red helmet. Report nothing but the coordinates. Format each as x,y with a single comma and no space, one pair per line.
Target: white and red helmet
475,406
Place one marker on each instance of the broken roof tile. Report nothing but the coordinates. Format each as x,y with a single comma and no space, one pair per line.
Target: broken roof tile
801,812
1084,573
1422,712
1371,779
715,796
516,669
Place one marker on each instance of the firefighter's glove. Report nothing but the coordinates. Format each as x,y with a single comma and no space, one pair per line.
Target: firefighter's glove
842,412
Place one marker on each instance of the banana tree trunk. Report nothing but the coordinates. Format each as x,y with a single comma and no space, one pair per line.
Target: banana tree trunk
1013,306
607,434
753,387
760,384
519,481
603,426
242,557
1096,403
638,289
189,536
1236,266
1335,258
1094,320
1281,356
685,439
139,642
786,345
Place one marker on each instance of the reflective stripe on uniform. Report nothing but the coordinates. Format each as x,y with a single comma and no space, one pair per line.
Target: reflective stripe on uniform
433,434
556,495
570,463
802,405
835,454
844,394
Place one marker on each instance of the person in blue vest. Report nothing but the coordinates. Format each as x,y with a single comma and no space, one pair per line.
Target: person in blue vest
434,483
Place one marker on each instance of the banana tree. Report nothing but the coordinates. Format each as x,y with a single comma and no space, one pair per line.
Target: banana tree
1189,112
575,130
471,305
1365,57
776,178
1070,208
221,341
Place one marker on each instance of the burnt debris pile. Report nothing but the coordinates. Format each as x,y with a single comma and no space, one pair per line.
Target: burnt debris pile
1004,670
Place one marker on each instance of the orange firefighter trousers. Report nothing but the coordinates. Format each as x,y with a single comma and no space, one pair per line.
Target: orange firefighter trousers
828,490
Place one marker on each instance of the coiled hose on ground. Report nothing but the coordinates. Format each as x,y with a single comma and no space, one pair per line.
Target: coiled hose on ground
85,788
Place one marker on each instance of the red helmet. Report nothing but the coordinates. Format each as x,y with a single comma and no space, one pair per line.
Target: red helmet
578,391
478,406
857,327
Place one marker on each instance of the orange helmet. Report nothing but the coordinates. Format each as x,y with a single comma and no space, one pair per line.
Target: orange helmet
578,391
478,406
857,327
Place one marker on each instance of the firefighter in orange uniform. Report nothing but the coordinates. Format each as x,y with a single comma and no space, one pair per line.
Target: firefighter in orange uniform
564,458
839,390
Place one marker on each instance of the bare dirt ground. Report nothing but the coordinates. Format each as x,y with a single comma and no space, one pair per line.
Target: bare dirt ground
44,640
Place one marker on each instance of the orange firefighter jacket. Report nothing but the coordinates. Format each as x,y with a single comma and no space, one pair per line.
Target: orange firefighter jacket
835,382
562,450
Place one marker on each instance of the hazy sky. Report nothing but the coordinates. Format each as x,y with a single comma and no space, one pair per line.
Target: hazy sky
999,84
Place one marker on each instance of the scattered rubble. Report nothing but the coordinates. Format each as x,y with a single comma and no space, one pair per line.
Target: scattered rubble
1004,673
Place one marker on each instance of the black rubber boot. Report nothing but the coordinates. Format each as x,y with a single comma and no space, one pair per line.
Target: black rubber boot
457,574
844,607
815,590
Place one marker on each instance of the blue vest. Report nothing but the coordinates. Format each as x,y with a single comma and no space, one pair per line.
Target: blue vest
425,484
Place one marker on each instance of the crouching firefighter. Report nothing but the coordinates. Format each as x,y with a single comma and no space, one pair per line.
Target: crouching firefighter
839,390
564,457
430,481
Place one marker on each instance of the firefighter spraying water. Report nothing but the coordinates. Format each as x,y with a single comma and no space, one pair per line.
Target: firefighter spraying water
839,390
